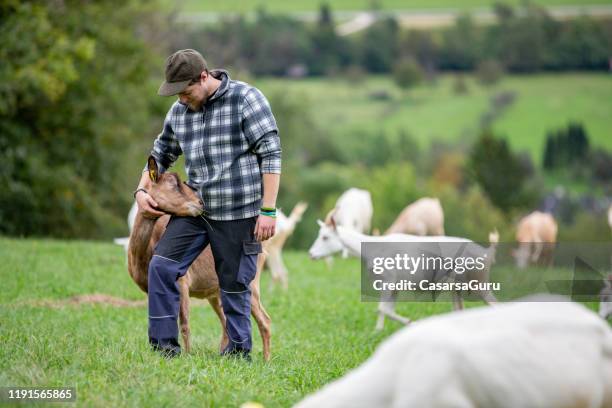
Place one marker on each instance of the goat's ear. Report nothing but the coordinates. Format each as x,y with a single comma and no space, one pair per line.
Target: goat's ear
153,170
332,222
321,223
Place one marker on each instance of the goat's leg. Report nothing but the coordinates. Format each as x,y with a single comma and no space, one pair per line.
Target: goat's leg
271,261
215,303
264,323
277,268
548,254
535,256
380,322
284,275
489,298
183,284
457,301
386,307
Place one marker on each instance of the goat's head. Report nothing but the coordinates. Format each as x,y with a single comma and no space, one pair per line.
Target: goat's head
605,304
327,242
171,195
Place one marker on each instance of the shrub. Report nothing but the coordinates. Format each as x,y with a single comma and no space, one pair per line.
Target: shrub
499,172
489,72
407,73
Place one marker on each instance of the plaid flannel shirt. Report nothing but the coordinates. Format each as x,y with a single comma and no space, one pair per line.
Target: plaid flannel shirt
227,145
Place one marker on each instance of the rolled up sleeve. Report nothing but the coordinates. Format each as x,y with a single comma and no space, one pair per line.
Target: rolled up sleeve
261,131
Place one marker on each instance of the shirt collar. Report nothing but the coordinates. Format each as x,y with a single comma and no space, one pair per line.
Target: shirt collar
223,75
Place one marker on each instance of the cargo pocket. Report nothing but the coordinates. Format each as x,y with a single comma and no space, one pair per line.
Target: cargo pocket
248,262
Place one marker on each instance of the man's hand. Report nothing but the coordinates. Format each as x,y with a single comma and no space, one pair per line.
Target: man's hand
147,205
265,227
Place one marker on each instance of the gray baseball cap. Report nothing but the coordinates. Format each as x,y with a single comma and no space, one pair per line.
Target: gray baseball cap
182,67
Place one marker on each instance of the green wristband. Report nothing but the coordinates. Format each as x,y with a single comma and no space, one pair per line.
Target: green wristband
268,213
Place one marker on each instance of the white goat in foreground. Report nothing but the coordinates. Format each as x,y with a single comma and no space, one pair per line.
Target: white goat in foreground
533,354
334,238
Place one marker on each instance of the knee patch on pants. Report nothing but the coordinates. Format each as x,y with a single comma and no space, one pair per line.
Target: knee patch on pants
164,270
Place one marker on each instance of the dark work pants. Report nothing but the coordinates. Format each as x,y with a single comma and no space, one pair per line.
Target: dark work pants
235,252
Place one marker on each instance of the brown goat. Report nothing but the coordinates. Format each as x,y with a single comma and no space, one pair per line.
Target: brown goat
200,281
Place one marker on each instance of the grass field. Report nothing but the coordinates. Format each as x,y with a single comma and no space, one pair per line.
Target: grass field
434,111
321,329
279,6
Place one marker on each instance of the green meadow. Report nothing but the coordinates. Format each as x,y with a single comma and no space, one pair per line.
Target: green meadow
279,6
433,111
321,329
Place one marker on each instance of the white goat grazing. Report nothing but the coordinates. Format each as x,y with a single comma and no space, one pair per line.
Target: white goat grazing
526,354
353,210
335,238
536,234
423,217
273,247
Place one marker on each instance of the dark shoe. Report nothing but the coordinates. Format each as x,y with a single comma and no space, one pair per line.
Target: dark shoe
237,353
167,348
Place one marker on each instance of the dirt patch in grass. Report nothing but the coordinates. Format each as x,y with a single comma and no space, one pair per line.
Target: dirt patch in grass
94,299
88,299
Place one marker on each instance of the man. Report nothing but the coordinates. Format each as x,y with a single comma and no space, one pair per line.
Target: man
229,138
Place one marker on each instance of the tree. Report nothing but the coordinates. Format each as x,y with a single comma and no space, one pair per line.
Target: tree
75,86
583,44
503,12
523,44
462,45
498,171
422,46
566,147
550,152
327,50
407,73
379,45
